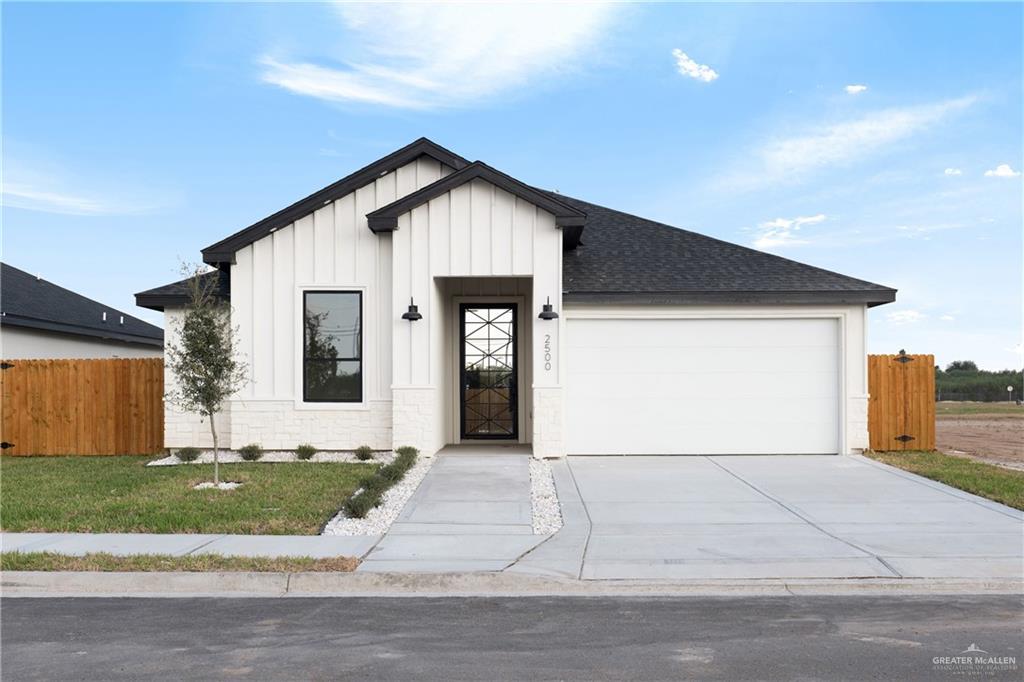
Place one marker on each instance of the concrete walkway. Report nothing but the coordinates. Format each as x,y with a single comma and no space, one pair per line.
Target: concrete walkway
472,512
126,544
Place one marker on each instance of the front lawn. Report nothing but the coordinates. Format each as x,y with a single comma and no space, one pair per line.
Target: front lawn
122,495
995,483
48,561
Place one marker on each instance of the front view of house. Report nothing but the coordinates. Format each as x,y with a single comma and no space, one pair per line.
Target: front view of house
427,300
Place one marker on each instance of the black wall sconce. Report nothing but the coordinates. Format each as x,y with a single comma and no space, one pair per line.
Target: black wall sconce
548,312
413,313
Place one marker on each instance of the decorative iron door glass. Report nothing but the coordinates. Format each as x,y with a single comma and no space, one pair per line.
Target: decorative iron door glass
332,347
489,394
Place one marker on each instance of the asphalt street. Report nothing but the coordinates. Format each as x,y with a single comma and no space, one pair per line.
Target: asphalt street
508,638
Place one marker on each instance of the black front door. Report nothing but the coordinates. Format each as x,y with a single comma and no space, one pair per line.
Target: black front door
488,390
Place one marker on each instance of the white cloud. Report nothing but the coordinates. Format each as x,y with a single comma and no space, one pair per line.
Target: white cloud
855,89
783,231
905,316
953,171
787,159
427,56
688,67
35,199
1003,170
947,318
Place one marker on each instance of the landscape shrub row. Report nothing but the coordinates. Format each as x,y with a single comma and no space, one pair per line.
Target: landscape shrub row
372,488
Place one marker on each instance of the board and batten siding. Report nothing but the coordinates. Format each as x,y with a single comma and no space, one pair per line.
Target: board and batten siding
475,230
331,248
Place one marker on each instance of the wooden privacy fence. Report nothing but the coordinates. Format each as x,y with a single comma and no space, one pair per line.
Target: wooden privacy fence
901,409
82,407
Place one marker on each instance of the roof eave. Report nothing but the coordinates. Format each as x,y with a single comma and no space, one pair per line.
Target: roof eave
870,298
63,328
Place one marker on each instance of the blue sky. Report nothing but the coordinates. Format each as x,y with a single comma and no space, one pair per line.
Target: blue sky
883,141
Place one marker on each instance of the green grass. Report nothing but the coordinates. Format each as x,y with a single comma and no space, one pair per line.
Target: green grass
122,495
956,408
995,483
47,561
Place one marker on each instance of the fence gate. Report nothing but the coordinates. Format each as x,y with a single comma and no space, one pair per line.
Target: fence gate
82,407
901,409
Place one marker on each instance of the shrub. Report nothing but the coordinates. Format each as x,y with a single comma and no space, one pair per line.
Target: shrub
364,453
305,451
188,454
251,452
358,506
373,487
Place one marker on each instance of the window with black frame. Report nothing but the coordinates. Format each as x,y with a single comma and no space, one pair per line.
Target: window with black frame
332,347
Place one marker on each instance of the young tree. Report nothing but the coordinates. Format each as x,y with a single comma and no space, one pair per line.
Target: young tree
202,356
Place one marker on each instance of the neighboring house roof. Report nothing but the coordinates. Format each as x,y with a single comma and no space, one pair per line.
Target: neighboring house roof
628,259
223,252
621,257
385,219
32,302
177,293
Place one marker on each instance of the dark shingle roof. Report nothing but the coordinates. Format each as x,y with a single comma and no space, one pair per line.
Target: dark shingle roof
177,293
626,258
28,301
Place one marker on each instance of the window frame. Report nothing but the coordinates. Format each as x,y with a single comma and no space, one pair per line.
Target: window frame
304,359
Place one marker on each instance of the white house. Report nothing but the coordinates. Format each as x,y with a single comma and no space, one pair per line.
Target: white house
42,320
426,300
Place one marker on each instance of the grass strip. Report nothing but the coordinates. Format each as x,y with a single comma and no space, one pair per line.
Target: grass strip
372,488
123,495
985,480
100,561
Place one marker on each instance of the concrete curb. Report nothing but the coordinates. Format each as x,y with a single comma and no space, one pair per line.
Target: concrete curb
243,584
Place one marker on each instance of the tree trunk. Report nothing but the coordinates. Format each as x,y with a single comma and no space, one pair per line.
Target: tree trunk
216,454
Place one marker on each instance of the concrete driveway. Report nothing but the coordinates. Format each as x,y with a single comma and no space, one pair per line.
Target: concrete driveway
782,517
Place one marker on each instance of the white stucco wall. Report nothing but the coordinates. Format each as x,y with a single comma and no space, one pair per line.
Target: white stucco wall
29,344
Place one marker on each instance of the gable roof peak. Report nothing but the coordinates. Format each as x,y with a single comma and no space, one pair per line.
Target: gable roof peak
385,219
224,250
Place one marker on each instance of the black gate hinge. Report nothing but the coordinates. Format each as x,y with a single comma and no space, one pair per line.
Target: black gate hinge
904,438
5,445
903,357
6,365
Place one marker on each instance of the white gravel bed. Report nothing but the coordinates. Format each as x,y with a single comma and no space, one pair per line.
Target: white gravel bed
547,513
380,518
271,456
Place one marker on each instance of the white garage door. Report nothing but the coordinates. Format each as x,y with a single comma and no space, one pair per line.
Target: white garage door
708,386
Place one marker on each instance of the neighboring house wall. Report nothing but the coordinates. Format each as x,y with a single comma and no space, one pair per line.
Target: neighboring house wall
330,249
25,343
183,429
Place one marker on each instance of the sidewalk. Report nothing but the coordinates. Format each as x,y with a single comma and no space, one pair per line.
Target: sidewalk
126,544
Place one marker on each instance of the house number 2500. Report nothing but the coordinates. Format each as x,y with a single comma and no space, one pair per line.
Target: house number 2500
547,352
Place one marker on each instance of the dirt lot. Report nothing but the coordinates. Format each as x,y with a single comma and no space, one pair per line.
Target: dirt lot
990,432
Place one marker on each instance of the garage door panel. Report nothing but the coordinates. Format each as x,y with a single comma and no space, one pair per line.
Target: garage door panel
708,385
779,396
700,359
696,332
